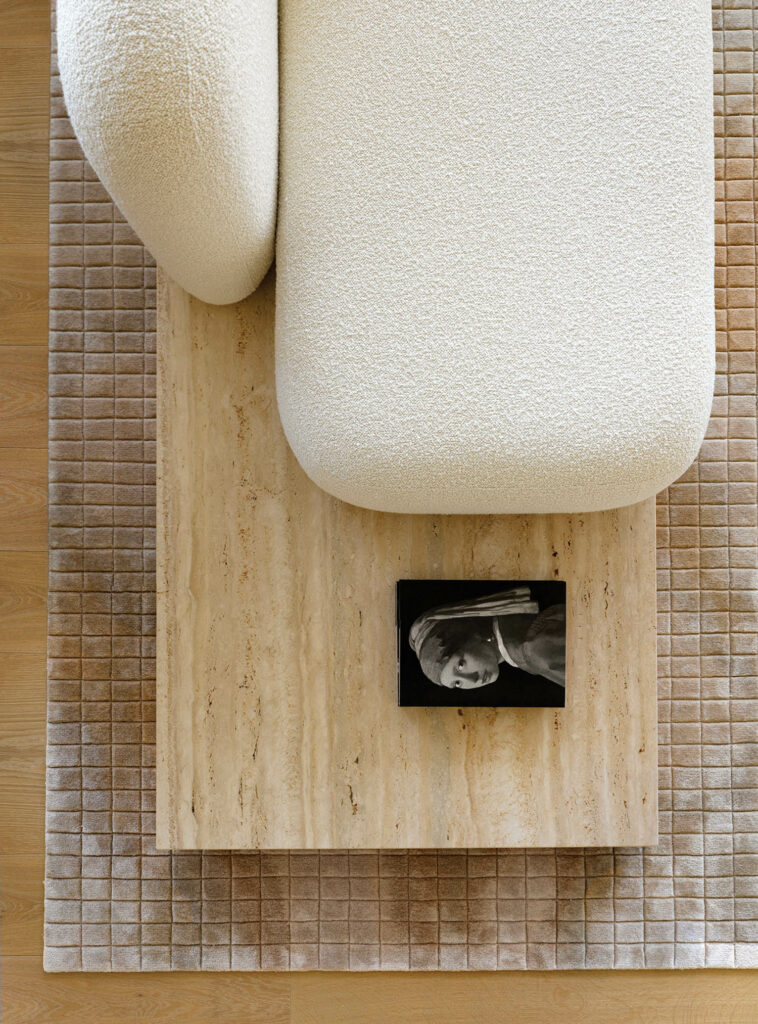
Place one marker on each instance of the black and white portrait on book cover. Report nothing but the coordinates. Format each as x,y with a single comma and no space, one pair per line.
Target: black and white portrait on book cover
481,643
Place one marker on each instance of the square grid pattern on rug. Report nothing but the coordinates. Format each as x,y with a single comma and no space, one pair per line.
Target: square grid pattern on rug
115,903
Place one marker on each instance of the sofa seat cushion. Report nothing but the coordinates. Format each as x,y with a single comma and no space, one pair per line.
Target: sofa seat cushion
495,250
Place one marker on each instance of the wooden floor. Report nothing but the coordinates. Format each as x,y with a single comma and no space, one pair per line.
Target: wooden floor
26,994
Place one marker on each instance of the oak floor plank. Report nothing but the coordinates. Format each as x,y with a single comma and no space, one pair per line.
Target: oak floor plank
23,499
23,679
22,756
23,180
24,23
23,293
528,997
24,100
23,396
23,596
32,997
21,896
22,809
24,103
22,800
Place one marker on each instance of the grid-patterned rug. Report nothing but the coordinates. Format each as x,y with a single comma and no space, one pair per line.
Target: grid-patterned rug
114,903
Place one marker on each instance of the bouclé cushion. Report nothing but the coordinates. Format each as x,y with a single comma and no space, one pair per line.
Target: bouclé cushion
176,107
495,250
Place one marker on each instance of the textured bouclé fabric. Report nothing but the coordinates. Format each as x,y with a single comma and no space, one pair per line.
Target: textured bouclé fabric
176,106
495,250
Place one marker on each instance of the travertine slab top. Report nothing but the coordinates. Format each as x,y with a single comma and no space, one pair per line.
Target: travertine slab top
278,723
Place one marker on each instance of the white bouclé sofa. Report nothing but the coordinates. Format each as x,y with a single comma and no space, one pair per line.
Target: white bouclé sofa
495,226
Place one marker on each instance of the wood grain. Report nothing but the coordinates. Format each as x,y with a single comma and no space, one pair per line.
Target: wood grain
22,753
535,997
24,78
589,997
23,594
21,904
32,997
22,74
23,294
24,23
23,396
23,499
277,671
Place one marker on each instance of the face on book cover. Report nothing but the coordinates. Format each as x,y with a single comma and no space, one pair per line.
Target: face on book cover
485,643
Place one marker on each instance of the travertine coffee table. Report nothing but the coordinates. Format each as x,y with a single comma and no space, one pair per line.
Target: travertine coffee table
278,723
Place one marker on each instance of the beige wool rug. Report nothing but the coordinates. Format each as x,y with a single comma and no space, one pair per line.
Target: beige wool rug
115,903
